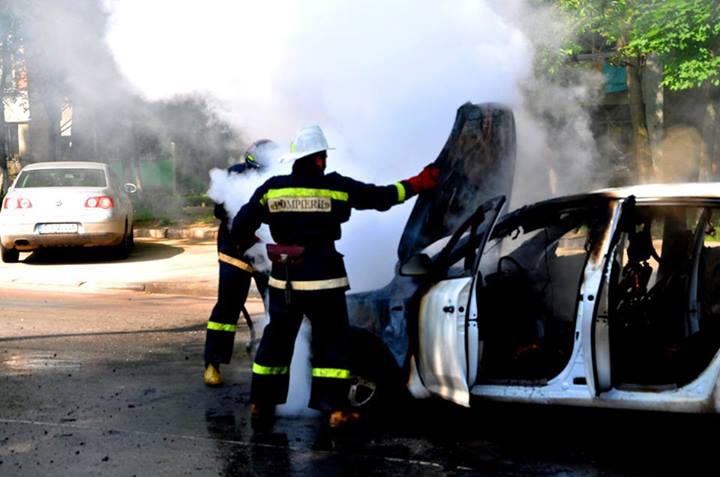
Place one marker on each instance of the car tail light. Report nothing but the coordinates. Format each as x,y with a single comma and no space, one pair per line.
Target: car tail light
16,203
100,202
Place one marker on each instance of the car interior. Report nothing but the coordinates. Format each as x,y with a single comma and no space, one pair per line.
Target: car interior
531,271
664,297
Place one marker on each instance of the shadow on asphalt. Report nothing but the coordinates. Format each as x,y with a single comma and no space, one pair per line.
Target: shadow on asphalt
183,329
143,252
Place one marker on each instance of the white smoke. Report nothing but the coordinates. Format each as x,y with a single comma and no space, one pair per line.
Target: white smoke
383,80
233,190
300,376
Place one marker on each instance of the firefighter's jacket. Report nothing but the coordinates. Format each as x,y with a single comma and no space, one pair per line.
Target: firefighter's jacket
225,245
307,210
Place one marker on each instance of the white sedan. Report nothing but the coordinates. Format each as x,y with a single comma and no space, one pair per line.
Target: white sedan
56,204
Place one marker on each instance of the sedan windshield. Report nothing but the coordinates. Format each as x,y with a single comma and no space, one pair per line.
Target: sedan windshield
62,178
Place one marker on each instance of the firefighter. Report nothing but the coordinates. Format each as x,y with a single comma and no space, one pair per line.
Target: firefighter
235,272
304,211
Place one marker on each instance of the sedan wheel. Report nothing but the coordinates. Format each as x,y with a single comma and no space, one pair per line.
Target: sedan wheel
126,246
130,241
9,255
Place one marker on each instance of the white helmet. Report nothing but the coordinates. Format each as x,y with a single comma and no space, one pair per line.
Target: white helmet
308,140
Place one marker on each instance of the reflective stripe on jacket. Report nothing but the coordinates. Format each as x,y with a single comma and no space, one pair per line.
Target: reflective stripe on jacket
308,211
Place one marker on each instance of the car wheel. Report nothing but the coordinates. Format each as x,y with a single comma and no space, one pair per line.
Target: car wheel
130,241
126,246
378,382
122,251
9,255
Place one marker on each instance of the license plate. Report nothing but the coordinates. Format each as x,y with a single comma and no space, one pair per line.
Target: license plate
58,228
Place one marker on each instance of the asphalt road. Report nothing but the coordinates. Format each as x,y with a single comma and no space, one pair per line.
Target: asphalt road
109,383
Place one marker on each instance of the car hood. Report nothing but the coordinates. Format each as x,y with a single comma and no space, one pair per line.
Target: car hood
477,163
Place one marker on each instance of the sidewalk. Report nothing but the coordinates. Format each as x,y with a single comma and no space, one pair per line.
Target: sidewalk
185,263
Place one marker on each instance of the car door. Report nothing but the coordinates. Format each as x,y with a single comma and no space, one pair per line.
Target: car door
448,347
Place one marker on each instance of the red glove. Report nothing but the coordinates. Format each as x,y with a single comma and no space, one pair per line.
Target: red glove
428,179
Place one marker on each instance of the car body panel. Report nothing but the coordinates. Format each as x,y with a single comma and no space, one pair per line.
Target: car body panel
476,164
442,340
700,396
594,318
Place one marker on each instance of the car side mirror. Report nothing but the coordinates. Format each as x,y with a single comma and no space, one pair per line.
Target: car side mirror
417,266
130,188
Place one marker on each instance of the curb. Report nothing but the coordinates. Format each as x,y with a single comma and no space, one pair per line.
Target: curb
202,289
205,289
195,233
80,285
199,289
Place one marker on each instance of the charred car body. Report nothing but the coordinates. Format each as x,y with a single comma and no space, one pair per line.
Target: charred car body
607,299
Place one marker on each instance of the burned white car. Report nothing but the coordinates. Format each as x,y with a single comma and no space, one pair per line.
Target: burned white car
606,299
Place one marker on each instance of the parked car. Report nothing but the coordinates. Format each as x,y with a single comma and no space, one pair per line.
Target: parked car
605,299
57,204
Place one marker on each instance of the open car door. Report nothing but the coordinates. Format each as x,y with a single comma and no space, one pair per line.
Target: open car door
448,345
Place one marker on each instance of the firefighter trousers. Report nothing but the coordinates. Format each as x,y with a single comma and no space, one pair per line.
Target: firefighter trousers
233,287
327,312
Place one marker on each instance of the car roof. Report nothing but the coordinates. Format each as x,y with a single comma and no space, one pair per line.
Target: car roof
700,193
701,190
65,165
692,191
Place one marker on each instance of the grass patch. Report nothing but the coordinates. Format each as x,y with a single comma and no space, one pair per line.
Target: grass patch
157,209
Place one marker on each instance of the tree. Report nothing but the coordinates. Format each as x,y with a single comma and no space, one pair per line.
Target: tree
9,53
683,34
196,138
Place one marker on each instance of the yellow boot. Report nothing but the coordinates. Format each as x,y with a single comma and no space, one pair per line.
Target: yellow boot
212,376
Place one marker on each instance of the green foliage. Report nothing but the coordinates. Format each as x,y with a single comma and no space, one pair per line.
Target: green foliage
197,139
161,209
197,200
157,208
685,34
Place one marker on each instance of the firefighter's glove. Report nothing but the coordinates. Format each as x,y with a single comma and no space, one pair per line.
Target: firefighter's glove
429,178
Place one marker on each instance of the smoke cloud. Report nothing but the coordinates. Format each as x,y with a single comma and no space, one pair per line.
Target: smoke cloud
383,80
